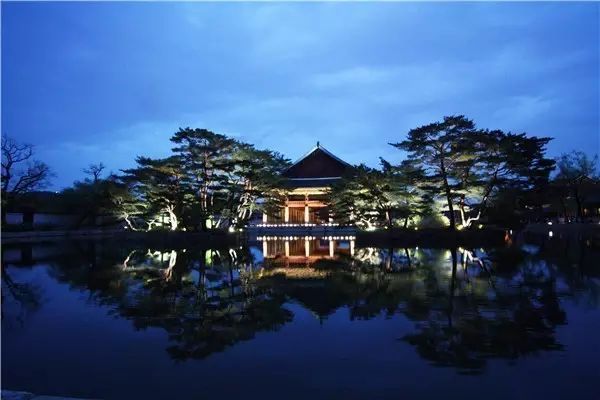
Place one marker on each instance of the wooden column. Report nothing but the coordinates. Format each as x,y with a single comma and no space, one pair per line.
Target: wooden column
265,249
287,248
331,248
306,247
306,210
264,217
286,214
352,248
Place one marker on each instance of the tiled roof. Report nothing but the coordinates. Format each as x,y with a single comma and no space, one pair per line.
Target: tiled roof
318,163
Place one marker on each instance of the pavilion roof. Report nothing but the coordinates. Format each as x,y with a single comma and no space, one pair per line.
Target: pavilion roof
319,164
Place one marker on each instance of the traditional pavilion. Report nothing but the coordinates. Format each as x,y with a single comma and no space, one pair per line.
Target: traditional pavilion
308,180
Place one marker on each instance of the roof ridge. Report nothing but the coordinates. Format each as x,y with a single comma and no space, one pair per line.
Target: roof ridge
332,155
317,147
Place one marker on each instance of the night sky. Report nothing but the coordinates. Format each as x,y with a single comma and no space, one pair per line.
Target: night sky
89,82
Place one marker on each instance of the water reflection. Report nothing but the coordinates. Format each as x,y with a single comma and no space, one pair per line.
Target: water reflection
467,305
18,299
205,300
473,322
295,250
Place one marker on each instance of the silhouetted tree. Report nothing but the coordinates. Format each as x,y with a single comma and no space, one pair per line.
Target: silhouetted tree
20,172
575,176
161,185
228,177
206,160
467,166
371,197
366,197
412,199
436,149
95,171
494,161
255,176
93,196
127,206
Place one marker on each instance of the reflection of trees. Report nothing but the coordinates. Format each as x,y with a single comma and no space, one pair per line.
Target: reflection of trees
205,299
206,315
464,313
468,305
514,317
390,258
24,295
577,261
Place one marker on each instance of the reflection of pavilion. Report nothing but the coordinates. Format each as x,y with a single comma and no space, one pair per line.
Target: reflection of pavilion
306,249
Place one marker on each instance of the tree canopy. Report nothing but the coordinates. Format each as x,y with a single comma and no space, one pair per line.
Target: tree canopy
467,166
210,181
21,172
370,197
575,179
452,169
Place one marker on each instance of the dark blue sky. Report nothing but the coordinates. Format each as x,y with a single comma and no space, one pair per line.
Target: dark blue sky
88,82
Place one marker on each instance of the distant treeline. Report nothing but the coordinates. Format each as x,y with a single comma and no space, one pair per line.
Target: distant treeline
454,175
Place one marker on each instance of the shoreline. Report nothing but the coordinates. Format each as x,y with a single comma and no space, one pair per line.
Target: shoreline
22,395
433,237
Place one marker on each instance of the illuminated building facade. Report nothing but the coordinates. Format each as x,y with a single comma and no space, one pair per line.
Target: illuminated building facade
307,182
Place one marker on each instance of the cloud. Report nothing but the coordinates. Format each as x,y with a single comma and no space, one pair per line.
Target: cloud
521,110
359,75
351,75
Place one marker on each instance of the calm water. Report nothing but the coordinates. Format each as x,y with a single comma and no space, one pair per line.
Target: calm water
125,320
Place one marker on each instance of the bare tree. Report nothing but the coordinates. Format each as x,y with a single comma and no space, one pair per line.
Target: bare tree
576,173
95,171
20,172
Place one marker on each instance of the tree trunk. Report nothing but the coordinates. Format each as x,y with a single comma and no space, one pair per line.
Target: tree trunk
129,223
449,200
388,217
579,206
563,205
452,218
173,219
461,209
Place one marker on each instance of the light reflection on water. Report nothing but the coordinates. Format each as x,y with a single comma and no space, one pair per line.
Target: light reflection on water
459,308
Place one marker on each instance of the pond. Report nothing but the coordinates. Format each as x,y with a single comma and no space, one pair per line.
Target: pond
304,317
